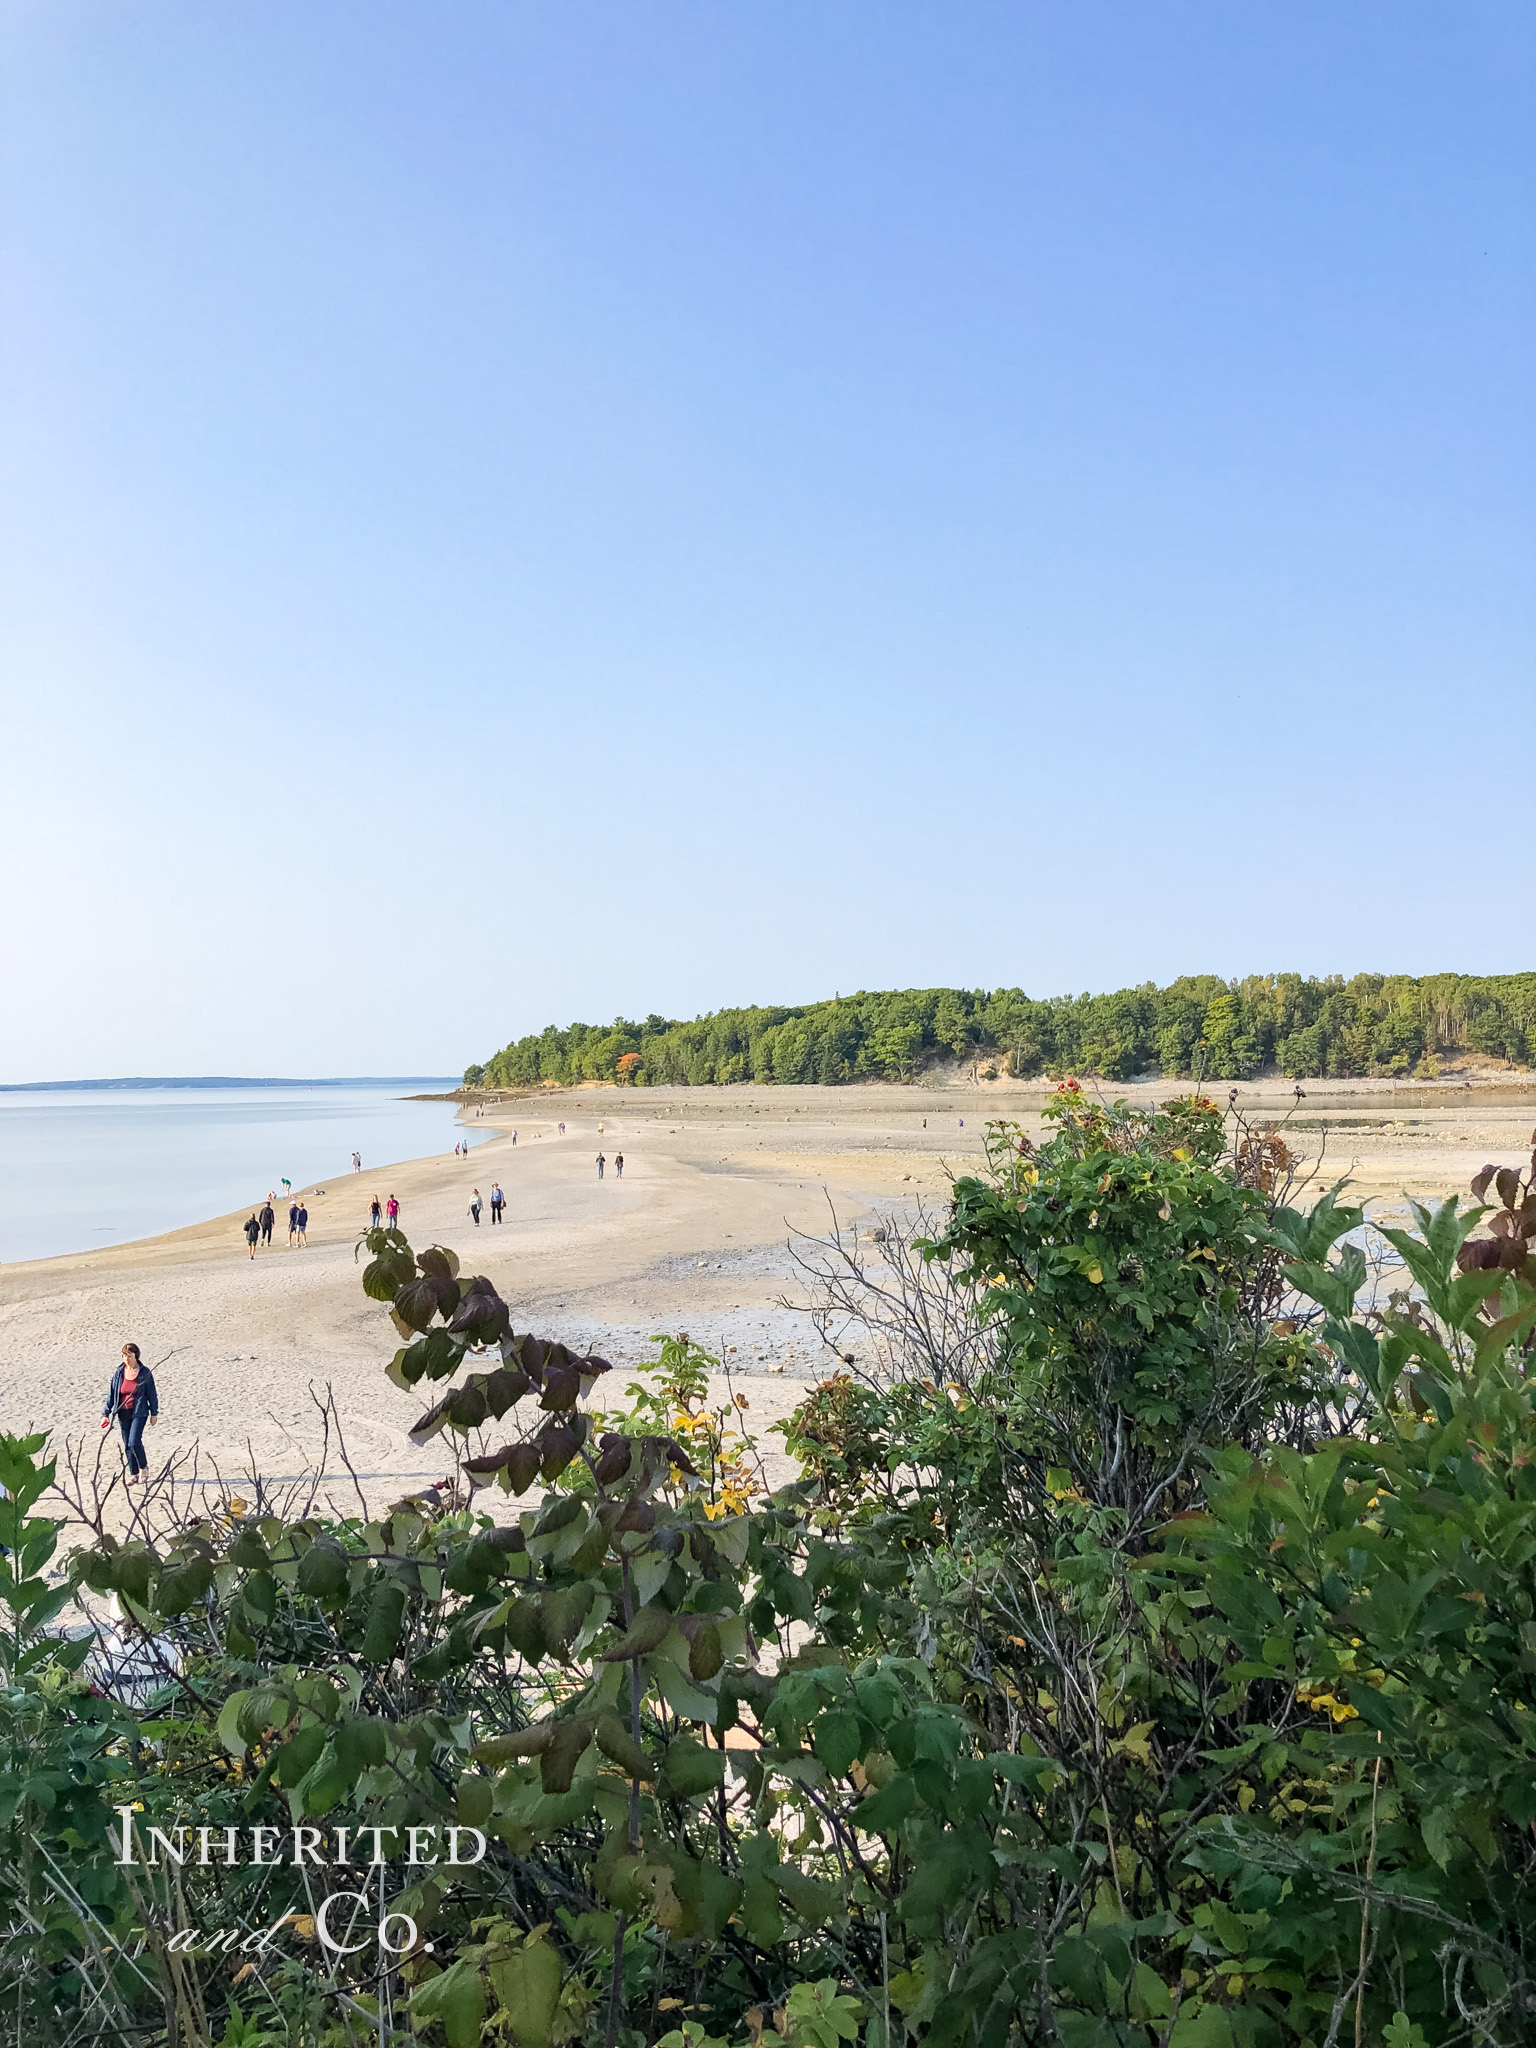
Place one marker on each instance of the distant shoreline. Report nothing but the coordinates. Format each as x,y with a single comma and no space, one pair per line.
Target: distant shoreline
234,1081
103,1166
957,1081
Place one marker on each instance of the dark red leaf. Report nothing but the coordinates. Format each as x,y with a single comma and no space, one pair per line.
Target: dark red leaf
559,1446
522,1465
561,1387
1478,1255
617,1457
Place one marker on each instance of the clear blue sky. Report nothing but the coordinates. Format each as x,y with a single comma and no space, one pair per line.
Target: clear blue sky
517,512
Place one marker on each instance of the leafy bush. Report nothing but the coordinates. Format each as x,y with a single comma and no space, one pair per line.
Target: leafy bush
1156,1671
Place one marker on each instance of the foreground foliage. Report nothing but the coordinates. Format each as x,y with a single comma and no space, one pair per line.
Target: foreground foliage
1163,1677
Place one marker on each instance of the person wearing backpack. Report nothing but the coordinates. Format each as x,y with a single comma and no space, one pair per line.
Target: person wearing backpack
252,1232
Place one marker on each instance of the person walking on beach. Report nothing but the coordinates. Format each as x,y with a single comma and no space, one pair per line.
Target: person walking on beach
293,1224
252,1232
131,1397
498,1201
474,1207
266,1219
392,1211
601,1163
303,1223
618,1166
514,1137
357,1162
375,1214
562,1130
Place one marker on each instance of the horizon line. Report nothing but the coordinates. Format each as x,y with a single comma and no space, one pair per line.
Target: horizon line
230,1081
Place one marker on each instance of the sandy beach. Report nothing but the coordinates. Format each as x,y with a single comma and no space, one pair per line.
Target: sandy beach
697,1235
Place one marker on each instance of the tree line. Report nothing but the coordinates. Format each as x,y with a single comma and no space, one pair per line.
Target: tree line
1301,1026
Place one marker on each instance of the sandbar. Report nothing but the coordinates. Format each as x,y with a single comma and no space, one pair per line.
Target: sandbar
718,1187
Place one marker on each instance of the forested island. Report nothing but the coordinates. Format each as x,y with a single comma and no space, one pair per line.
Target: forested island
1301,1026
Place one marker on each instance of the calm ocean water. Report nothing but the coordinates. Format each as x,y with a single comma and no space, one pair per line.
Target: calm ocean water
98,1166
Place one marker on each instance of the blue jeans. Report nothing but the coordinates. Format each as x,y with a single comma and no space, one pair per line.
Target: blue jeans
133,1435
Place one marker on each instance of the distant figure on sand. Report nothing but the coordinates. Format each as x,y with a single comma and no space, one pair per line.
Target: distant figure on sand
131,1397
601,1163
293,1224
375,1214
474,1207
498,1201
618,1165
562,1130
266,1219
252,1232
392,1211
303,1223
514,1137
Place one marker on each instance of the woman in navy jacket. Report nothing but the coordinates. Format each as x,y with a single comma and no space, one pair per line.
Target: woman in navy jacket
133,1400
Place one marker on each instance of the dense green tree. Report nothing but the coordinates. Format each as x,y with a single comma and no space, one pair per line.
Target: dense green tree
1199,1024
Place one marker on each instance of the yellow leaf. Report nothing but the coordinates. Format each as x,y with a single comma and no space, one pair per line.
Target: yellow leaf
1134,1741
